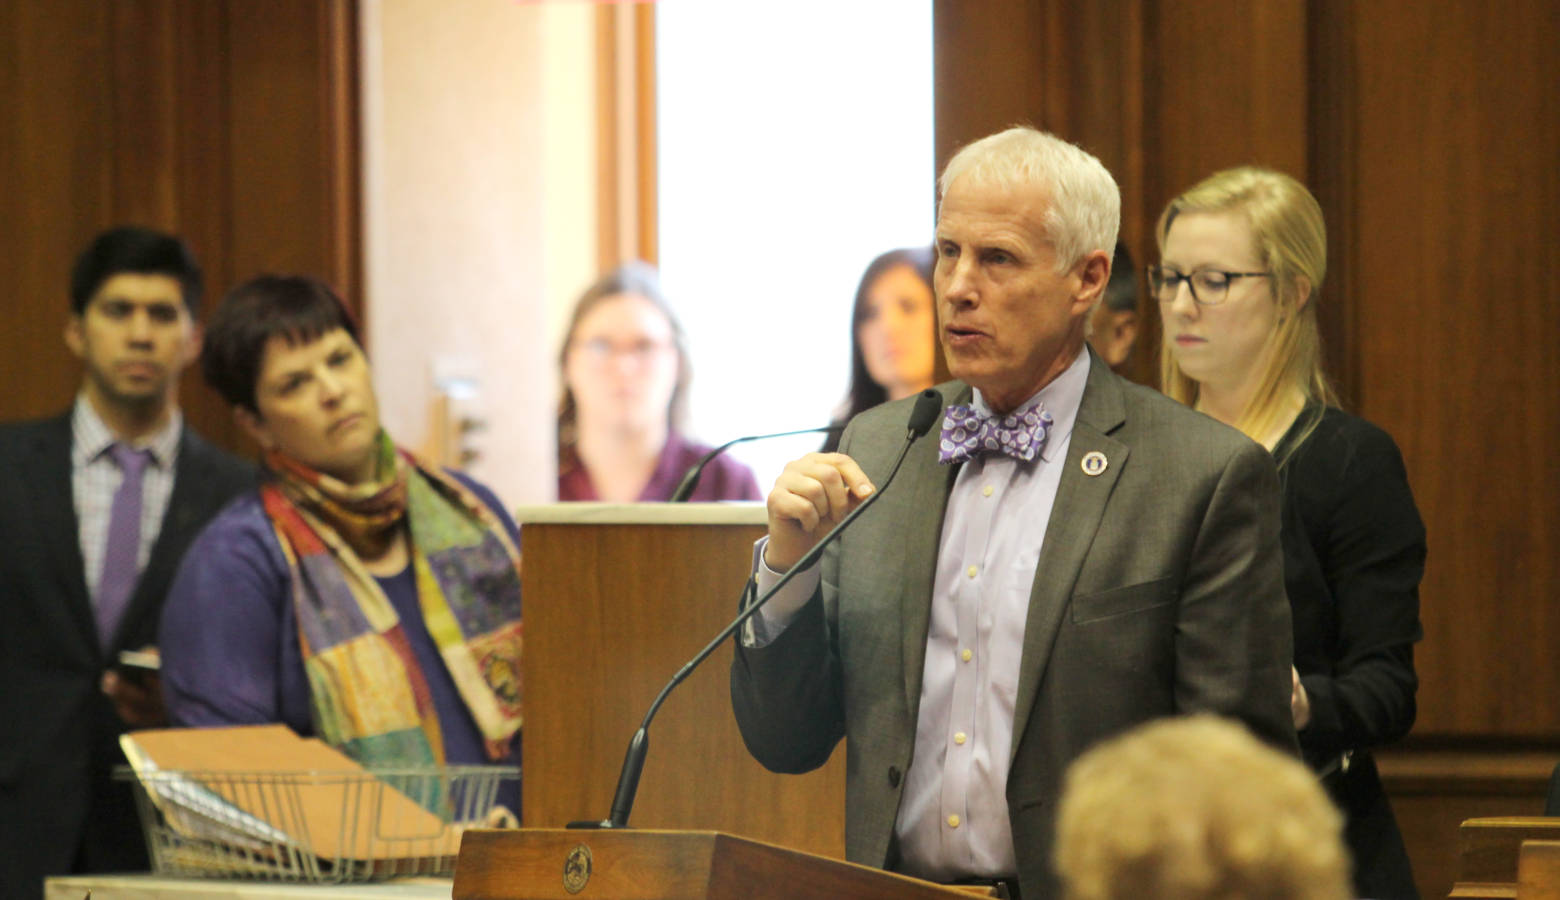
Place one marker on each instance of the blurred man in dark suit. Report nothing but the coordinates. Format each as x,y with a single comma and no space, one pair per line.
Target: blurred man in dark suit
96,507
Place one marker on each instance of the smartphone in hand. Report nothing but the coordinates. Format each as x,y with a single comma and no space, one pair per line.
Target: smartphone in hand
137,666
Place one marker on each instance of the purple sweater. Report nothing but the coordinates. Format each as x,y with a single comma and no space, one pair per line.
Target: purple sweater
724,478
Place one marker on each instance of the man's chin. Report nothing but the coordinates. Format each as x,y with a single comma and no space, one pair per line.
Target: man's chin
970,372
140,396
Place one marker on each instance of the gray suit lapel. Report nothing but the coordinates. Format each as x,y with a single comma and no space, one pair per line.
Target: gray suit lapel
1075,517
923,534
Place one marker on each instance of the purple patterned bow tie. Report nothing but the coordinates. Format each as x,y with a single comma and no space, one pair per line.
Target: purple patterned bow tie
967,434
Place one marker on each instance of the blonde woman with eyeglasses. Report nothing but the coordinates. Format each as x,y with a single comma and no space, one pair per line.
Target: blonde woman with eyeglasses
1243,254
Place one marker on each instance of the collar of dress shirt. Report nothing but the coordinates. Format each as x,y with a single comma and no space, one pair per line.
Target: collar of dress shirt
91,437
1061,398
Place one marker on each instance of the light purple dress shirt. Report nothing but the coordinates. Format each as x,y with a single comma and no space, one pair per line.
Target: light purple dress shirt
95,477
953,816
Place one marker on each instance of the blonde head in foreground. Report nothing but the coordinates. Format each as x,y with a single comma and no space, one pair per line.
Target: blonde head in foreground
1196,809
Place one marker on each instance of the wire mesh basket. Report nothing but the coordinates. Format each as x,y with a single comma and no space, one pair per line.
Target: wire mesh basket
317,826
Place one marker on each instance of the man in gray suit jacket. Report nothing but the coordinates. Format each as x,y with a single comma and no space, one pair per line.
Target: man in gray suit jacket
1075,555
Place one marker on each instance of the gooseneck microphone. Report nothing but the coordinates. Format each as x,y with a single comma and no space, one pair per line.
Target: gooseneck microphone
927,408
691,479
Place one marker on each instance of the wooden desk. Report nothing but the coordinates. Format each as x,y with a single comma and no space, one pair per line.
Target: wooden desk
1434,791
1488,866
157,887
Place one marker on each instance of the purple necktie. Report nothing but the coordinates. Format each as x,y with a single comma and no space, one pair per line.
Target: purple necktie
122,551
967,434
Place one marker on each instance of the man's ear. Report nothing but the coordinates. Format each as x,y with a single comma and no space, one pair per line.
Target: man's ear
254,426
75,336
193,347
1093,275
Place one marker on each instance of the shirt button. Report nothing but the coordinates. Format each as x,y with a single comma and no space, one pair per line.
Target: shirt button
966,655
953,821
986,491
971,571
960,737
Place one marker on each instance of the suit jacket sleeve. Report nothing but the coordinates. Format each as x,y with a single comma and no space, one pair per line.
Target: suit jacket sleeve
224,631
1233,644
1373,552
788,695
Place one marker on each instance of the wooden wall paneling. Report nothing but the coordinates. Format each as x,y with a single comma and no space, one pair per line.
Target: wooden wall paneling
158,55
988,64
1334,105
343,147
1227,86
55,103
143,59
1457,219
285,126
202,162
201,156
232,124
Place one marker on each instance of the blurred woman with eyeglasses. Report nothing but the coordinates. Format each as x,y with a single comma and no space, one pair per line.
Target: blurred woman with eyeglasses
625,382
1243,254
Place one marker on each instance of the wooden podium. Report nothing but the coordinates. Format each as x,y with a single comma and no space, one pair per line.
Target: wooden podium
616,599
555,864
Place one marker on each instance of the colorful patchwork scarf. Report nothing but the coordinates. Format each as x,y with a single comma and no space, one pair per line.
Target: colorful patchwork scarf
368,692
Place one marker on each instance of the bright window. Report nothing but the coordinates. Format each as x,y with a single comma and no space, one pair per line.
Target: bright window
795,144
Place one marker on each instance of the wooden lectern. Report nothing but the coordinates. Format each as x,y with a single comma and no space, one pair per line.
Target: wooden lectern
617,598
555,864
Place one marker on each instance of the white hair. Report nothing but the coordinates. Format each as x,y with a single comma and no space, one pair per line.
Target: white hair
1085,210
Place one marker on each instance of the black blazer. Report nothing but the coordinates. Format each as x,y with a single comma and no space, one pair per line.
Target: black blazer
1354,554
59,811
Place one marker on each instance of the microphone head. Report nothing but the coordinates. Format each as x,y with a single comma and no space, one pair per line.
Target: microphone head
928,406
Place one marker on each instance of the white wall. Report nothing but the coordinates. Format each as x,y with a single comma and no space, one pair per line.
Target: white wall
478,137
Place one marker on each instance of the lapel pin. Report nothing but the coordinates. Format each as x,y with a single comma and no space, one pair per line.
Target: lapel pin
1093,463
